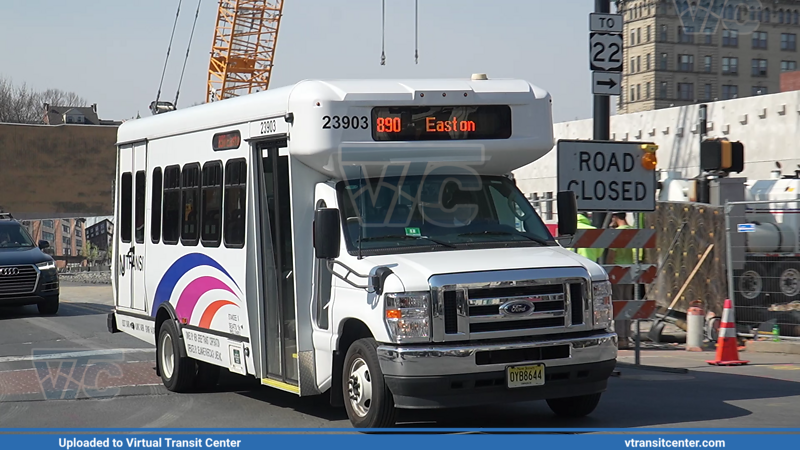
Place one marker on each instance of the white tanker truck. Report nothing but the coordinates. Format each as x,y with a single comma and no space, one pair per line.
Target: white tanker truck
771,275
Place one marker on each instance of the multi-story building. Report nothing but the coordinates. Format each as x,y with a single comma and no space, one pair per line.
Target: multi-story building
100,234
676,54
66,236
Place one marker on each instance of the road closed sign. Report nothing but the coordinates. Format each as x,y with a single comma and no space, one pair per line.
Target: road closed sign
608,176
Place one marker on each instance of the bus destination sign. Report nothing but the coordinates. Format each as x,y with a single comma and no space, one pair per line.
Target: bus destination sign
440,123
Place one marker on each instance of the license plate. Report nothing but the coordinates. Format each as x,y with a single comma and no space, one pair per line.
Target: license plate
524,376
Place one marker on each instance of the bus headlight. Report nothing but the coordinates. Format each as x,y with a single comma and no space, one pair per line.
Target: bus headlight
601,303
408,316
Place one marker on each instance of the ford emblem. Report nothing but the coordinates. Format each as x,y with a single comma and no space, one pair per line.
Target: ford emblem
516,308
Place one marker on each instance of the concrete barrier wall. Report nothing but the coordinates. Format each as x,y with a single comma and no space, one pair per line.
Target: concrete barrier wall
768,125
57,171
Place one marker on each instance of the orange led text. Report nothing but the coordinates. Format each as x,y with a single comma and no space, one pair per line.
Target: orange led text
432,125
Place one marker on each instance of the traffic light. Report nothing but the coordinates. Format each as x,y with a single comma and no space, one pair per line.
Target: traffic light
717,155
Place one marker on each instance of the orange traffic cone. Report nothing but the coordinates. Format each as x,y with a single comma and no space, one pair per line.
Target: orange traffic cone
727,346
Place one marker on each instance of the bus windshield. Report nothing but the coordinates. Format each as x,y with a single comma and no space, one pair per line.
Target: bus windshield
437,212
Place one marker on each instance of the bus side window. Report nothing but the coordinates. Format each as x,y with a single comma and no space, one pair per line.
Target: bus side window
155,223
139,206
171,223
126,206
211,201
190,192
235,202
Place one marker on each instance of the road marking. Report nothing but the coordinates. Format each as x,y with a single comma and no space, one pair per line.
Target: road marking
109,351
786,367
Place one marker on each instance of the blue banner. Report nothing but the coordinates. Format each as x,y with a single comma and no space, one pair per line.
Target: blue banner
418,439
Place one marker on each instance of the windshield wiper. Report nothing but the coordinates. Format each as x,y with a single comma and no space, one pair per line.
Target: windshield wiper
399,236
505,233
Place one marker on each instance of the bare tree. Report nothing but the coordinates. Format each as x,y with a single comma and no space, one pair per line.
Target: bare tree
20,104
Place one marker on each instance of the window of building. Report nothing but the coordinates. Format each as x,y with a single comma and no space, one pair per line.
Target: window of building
155,206
662,90
171,222
190,187
760,39
648,33
647,90
780,16
708,35
707,63
663,34
65,240
765,16
633,64
633,37
707,92
211,226
126,205
638,92
638,63
728,13
647,61
139,207
729,92
67,251
759,68
686,63
65,229
758,90
730,65
686,35
638,35
633,94
788,41
235,202
48,236
730,38
663,63
795,18
788,66
686,91
48,223
78,231
78,243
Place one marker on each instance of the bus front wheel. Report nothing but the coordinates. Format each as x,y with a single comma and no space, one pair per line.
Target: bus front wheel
367,399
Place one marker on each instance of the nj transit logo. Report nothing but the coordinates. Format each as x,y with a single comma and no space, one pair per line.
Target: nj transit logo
215,279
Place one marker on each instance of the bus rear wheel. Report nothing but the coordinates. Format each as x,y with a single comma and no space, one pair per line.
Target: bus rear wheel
177,372
367,399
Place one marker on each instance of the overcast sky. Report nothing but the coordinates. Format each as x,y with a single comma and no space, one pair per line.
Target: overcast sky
111,52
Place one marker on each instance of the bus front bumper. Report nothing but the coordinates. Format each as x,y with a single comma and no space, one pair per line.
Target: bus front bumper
446,376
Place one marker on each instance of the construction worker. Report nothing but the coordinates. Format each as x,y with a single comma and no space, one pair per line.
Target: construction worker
621,291
585,223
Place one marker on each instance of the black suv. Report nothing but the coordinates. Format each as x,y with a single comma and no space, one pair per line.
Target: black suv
28,276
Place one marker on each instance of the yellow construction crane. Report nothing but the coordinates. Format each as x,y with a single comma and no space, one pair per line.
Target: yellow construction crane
243,50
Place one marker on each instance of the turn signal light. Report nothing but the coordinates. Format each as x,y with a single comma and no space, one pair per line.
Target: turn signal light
393,314
649,161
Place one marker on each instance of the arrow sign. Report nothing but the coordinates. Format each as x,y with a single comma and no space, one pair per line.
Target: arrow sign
606,83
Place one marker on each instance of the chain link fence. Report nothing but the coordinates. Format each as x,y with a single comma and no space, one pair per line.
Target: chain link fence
764,255
684,233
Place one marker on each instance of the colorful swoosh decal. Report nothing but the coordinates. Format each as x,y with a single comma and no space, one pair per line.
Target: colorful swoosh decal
178,269
193,291
211,311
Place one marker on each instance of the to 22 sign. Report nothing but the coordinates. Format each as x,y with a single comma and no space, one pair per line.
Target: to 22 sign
606,52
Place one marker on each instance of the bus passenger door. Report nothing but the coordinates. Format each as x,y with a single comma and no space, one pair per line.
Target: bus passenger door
139,188
281,329
124,234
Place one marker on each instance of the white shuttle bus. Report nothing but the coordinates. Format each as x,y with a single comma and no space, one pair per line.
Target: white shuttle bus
361,239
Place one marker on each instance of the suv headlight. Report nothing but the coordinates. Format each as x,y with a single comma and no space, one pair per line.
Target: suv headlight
601,302
47,265
408,316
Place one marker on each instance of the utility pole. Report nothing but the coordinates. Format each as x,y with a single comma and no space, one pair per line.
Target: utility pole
602,113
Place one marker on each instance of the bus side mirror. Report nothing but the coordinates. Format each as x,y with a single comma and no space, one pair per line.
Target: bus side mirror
327,238
567,213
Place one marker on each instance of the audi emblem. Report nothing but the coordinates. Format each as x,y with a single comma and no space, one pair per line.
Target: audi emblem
9,271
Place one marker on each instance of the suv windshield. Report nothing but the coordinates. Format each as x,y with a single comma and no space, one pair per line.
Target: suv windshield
433,212
12,235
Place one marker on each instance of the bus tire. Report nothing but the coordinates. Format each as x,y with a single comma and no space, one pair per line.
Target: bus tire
372,407
177,372
574,407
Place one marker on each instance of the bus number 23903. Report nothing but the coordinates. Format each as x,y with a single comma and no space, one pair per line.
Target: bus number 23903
353,122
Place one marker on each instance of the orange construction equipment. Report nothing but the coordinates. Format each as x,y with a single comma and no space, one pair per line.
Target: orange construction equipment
727,345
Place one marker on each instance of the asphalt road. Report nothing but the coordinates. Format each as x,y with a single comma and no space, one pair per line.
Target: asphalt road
67,371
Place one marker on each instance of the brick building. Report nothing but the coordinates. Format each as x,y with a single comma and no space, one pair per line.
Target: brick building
66,236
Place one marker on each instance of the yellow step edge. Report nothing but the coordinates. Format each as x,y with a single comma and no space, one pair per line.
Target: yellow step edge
280,385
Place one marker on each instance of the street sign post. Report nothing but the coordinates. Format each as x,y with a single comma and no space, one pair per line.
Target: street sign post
605,52
606,175
606,83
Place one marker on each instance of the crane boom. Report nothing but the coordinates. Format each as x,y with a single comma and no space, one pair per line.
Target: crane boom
244,47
